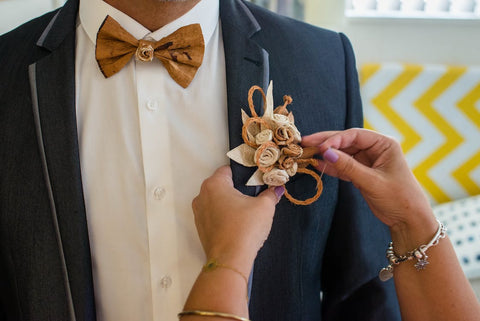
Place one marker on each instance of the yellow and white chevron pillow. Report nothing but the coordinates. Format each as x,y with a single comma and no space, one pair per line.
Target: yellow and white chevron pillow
434,111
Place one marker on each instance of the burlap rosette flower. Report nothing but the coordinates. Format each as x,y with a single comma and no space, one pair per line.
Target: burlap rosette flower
272,143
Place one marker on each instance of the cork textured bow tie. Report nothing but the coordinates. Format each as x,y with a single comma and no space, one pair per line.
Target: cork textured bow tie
181,52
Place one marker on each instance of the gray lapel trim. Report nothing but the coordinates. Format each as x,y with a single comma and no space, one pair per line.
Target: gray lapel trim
266,70
52,80
63,23
38,127
44,35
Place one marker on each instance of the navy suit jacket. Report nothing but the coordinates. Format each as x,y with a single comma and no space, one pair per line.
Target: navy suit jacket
320,261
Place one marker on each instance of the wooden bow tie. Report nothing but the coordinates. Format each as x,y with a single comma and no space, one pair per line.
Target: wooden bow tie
181,52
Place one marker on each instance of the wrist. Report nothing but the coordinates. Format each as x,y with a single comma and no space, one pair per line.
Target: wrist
213,265
240,261
408,235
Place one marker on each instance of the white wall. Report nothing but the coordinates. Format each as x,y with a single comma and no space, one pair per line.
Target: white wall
404,40
15,12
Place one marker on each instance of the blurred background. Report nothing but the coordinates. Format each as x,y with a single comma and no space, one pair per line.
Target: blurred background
15,12
419,68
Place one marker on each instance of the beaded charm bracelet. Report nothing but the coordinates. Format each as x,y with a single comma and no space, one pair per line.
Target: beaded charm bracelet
419,254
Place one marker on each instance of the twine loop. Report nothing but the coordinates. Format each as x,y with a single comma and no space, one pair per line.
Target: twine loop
283,152
319,188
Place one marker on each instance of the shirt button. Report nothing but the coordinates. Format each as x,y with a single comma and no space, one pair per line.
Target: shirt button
152,105
159,193
166,282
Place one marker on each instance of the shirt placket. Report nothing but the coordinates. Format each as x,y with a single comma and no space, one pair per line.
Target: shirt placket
159,198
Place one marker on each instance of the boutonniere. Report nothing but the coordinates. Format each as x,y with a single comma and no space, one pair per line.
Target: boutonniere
272,144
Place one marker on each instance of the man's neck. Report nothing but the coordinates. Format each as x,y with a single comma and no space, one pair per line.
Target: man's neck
153,14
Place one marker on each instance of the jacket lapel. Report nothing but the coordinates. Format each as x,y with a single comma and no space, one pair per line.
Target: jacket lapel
246,65
52,80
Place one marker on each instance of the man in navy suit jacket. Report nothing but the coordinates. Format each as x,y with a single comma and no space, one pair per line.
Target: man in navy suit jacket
320,261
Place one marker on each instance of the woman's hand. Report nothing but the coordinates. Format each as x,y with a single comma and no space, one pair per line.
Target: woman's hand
375,164
232,226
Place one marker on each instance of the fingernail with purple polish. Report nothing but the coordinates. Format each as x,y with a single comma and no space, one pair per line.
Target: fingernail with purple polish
279,190
330,156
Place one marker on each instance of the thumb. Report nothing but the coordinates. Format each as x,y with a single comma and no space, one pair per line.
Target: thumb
274,194
224,174
346,167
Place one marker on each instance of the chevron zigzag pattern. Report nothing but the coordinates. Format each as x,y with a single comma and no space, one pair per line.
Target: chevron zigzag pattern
434,112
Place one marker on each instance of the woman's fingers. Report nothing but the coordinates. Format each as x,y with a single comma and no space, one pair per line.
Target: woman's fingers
317,138
352,154
354,139
272,195
345,167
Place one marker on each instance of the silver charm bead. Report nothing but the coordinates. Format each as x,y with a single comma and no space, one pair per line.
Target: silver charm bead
386,273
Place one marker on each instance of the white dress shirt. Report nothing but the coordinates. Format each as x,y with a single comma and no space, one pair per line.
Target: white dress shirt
146,145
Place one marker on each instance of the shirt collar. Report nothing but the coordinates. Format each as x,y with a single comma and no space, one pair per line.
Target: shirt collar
93,12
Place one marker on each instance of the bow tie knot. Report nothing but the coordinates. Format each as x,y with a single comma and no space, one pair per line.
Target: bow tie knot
145,50
181,52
